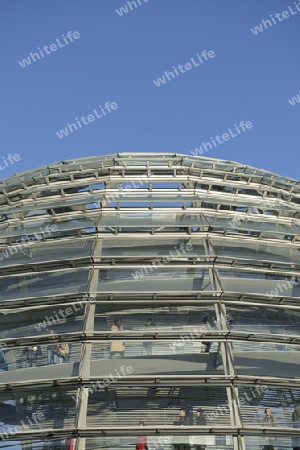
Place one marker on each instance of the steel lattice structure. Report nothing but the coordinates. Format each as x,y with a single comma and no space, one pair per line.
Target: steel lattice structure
199,258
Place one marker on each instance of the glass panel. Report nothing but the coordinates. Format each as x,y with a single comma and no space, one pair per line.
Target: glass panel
34,356
41,284
60,205
158,406
282,402
34,251
170,197
58,444
42,227
154,357
163,442
134,199
278,443
152,247
148,219
266,359
240,281
251,226
264,320
159,320
42,409
150,277
31,322
262,251
241,201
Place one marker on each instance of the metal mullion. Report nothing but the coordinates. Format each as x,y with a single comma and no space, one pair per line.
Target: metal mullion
244,380
239,443
262,304
98,243
214,279
221,345
211,272
267,338
230,407
187,263
132,295
210,247
85,360
82,399
236,406
230,359
145,234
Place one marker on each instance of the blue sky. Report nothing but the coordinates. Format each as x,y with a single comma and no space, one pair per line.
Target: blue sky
117,57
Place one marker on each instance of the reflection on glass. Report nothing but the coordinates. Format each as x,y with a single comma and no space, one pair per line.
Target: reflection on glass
33,356
41,284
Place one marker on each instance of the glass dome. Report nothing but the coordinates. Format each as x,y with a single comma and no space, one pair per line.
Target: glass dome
142,287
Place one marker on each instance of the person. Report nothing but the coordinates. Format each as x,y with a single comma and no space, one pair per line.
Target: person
182,418
29,408
182,421
51,349
117,348
230,320
32,353
147,344
296,420
142,443
198,440
3,363
269,419
200,418
60,353
206,324
217,323
296,416
70,443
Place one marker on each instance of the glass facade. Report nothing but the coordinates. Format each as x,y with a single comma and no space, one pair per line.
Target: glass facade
143,287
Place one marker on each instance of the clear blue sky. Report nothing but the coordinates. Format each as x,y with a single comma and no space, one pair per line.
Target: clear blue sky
116,60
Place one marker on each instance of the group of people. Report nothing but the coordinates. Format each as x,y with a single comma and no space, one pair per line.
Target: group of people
183,420
188,420
117,348
57,353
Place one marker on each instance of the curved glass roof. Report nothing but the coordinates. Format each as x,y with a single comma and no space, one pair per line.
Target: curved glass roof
200,260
